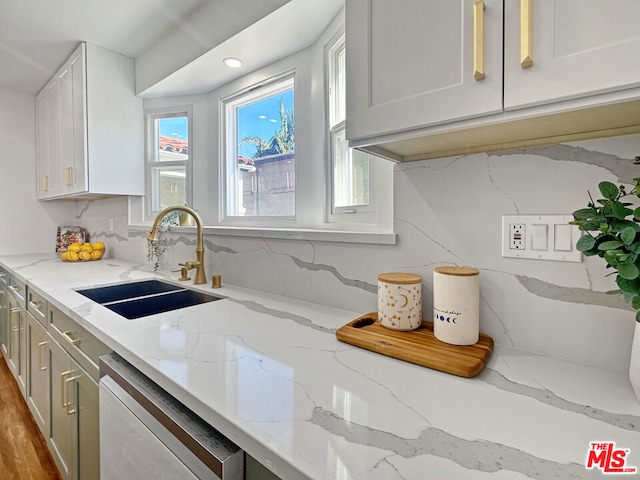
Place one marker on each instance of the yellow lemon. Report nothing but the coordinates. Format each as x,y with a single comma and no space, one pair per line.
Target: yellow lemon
74,247
73,256
98,246
64,256
97,254
84,256
86,247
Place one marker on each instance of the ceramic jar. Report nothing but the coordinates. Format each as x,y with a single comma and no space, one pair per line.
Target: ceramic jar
456,305
400,300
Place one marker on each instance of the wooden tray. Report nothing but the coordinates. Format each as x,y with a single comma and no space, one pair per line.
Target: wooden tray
418,346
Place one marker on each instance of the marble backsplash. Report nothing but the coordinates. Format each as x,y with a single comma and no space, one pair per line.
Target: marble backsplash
446,212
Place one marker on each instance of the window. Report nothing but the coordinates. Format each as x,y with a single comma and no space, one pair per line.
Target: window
259,136
168,159
350,169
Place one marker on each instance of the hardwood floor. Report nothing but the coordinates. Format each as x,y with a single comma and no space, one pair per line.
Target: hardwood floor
23,451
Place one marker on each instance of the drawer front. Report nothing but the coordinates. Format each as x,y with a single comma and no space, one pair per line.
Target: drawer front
37,306
18,289
77,341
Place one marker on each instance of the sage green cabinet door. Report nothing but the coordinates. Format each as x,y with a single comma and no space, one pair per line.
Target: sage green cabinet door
16,354
4,321
63,433
38,383
88,427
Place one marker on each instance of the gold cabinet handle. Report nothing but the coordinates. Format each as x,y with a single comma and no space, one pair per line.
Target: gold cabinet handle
526,33
68,174
40,345
35,305
44,183
478,40
12,325
70,383
67,336
63,391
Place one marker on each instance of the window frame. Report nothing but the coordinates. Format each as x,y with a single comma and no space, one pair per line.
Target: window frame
372,213
151,115
229,153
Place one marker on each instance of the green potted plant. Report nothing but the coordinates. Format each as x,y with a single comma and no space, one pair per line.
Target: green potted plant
612,229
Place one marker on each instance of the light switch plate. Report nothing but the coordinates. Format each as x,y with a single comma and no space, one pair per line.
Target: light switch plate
547,237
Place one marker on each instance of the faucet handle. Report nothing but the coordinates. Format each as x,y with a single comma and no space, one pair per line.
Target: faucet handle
183,272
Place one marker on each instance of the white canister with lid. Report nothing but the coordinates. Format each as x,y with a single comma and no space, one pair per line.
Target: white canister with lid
400,300
456,305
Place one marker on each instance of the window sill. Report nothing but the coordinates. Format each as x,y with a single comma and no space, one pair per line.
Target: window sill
306,234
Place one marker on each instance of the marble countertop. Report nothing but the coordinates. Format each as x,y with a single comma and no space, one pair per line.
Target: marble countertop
268,372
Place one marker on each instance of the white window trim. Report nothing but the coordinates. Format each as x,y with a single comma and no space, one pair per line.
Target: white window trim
150,146
380,191
229,153
313,222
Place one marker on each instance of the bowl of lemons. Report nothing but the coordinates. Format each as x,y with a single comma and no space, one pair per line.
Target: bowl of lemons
83,252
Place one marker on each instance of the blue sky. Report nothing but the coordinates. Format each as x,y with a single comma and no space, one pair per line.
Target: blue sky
260,119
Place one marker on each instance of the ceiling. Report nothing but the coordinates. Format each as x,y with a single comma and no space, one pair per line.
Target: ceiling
36,37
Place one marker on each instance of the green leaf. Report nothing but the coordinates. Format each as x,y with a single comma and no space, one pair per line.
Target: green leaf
585,213
592,224
628,286
620,211
635,247
628,297
638,312
610,245
619,225
608,190
635,302
636,212
611,257
586,242
628,235
628,271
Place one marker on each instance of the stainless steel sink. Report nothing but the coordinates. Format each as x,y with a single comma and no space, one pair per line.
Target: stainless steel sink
147,297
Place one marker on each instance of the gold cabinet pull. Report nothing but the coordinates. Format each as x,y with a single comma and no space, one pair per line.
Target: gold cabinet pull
40,345
70,340
526,33
44,183
71,383
478,40
14,325
68,173
63,397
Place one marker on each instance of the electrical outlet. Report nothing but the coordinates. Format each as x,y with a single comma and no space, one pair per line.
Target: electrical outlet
517,236
110,225
540,237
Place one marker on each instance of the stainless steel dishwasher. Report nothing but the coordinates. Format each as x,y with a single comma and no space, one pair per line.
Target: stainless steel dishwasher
145,433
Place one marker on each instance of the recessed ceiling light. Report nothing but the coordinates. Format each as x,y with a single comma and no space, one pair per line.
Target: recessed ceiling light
232,62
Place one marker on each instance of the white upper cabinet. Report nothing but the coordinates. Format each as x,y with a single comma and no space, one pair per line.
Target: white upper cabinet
413,92
90,128
578,48
412,64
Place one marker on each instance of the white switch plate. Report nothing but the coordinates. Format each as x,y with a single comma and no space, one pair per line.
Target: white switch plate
556,248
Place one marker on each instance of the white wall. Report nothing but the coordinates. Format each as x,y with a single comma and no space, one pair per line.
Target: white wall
27,225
